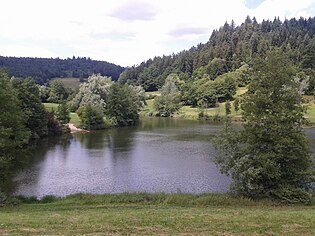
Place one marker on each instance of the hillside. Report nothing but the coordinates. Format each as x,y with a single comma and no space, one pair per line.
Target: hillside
44,69
228,48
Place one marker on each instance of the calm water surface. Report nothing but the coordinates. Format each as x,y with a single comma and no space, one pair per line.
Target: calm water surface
159,155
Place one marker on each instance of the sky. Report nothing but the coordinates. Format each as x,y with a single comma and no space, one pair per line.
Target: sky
126,32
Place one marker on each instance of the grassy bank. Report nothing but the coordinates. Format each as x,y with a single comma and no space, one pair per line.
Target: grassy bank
74,118
188,112
147,214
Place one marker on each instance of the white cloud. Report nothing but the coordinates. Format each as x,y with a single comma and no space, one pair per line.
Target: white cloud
125,32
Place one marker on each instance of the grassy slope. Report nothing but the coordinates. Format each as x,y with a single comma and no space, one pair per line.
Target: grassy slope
147,214
72,83
74,117
192,112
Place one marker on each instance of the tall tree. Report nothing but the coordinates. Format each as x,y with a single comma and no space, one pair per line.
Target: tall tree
169,101
95,92
91,117
35,116
58,92
63,113
270,156
13,133
122,105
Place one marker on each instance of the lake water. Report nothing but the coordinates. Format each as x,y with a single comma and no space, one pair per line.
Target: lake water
159,155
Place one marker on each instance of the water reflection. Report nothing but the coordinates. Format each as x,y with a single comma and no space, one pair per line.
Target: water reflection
159,155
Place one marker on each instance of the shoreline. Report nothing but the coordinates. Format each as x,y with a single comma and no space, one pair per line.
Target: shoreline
74,129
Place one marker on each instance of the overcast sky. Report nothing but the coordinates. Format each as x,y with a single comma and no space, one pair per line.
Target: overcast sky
126,32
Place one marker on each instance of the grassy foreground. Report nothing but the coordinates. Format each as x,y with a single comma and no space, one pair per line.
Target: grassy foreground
147,214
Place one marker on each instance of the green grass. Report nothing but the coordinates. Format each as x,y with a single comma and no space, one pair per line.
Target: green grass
188,112
192,112
74,118
51,106
154,93
151,214
70,82
310,114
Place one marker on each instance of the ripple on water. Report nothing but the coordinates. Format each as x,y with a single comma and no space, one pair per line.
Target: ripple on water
148,158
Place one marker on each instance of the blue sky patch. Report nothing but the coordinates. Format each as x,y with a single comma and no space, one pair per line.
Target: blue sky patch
252,4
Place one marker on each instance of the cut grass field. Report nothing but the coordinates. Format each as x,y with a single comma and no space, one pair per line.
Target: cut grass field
156,214
72,83
74,118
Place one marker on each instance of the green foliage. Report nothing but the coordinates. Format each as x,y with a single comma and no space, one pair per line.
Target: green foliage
228,107
8,200
123,104
45,69
91,117
54,127
231,47
170,100
13,133
95,92
58,92
30,103
167,105
243,75
148,78
270,156
308,60
206,93
236,104
63,114
216,67
138,96
43,93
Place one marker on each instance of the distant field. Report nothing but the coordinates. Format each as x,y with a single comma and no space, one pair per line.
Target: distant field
70,82
188,112
51,106
74,117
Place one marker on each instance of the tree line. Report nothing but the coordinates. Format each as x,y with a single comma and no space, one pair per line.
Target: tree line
23,118
101,102
228,49
44,69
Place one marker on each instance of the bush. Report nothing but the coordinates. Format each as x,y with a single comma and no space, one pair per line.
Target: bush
91,117
288,194
7,200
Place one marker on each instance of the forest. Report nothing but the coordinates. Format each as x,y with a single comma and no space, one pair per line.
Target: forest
42,70
229,48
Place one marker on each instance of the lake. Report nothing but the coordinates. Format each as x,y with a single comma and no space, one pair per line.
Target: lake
159,155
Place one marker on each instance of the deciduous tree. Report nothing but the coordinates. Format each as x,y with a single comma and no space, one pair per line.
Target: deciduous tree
270,156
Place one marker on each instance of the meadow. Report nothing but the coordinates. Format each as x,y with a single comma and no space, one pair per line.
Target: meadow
72,83
162,214
74,118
